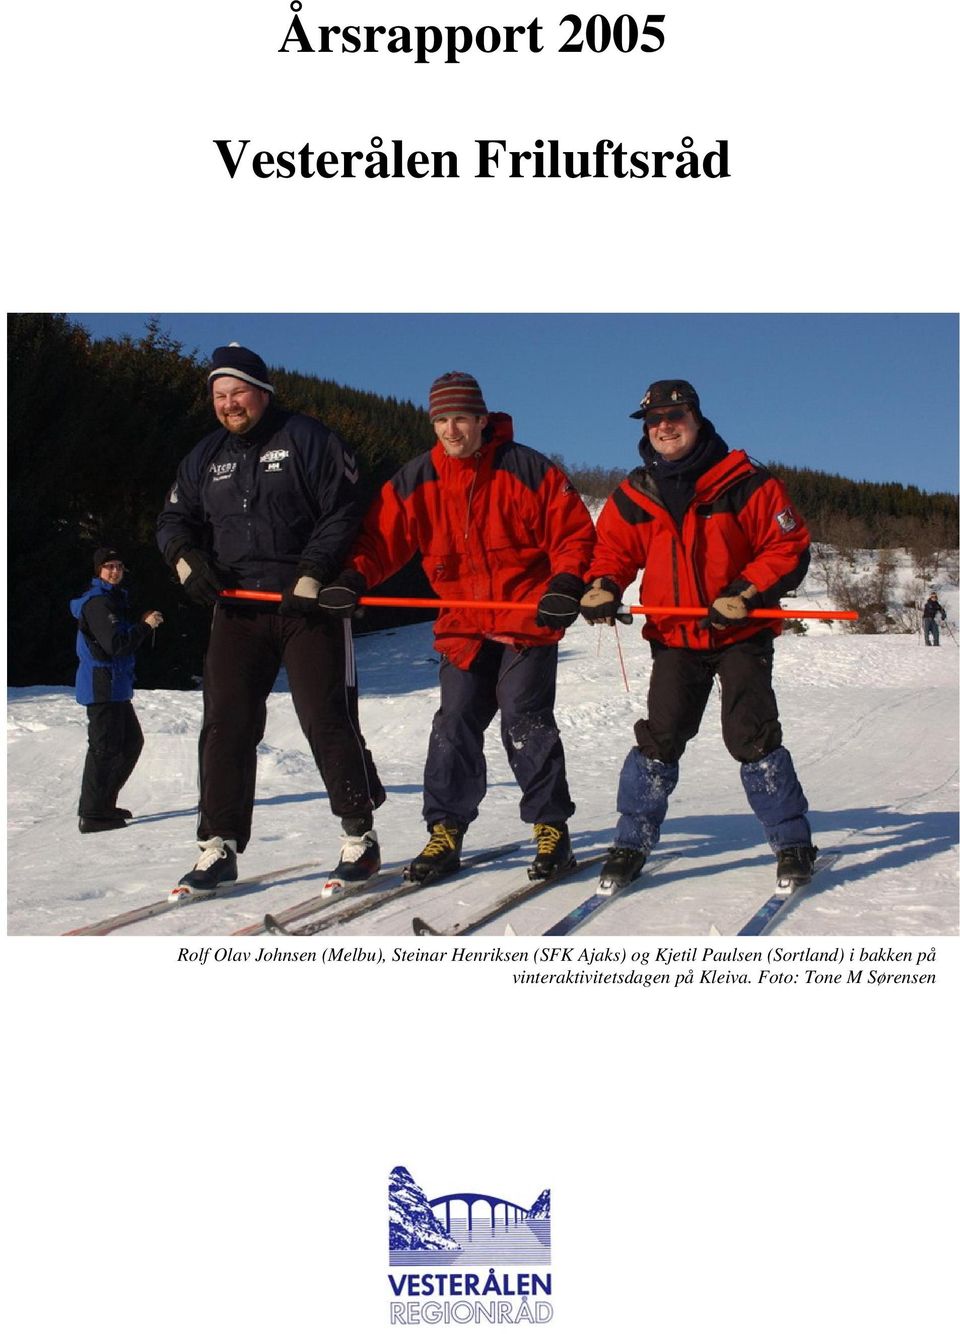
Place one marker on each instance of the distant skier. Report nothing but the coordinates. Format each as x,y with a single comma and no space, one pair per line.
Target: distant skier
269,501
493,520
709,526
107,642
932,608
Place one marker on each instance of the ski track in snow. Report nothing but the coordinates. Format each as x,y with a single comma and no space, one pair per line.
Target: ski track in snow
872,723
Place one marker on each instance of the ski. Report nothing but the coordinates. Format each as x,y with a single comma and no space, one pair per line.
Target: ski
779,903
528,890
378,882
148,910
599,900
276,924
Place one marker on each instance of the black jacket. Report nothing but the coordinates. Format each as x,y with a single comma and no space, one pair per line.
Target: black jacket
261,503
931,608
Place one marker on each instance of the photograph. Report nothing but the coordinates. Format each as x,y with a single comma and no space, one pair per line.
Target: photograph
504,747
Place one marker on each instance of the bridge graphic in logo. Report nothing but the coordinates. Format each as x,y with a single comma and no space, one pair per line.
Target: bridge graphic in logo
464,1227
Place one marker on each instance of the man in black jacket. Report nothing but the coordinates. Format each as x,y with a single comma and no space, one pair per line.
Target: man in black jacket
269,502
932,608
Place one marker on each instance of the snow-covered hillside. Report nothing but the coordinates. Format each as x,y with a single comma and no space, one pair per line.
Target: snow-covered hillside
872,722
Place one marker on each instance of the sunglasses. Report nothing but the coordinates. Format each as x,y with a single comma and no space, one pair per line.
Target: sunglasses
113,565
671,415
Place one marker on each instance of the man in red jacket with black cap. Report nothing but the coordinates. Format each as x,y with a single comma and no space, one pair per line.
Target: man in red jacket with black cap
493,520
707,526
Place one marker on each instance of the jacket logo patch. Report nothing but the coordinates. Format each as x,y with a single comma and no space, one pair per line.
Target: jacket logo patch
272,460
787,520
350,470
221,471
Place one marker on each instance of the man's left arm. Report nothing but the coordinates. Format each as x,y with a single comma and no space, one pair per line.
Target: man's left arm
780,545
333,478
567,536
780,541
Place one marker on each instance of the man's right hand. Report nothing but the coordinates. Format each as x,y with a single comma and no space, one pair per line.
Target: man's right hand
600,602
341,597
199,577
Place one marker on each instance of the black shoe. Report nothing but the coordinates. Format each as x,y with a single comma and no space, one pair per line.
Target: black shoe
554,853
96,824
216,865
359,860
795,865
120,813
440,856
622,867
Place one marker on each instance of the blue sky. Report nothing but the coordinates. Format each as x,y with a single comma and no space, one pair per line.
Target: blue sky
870,397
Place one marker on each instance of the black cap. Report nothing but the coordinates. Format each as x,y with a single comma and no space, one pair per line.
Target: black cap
241,363
669,394
102,555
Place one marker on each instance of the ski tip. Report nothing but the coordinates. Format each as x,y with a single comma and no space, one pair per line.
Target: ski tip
273,927
508,930
714,931
422,928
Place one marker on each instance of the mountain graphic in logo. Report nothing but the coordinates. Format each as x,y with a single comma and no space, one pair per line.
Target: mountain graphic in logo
413,1224
464,1227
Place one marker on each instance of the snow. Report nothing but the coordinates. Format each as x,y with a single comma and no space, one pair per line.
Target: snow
871,721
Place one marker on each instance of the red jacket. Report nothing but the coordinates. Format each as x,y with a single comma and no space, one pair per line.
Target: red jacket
492,527
739,523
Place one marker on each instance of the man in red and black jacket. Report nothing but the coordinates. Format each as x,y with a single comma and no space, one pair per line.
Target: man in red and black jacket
496,521
710,527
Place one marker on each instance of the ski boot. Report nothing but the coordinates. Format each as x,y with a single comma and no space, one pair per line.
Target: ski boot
795,866
621,868
216,865
359,860
554,853
439,857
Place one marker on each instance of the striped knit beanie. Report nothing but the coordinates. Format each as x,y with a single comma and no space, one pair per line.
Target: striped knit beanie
242,364
456,392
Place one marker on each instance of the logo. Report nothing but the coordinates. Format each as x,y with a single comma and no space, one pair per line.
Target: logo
221,471
467,1256
787,520
272,459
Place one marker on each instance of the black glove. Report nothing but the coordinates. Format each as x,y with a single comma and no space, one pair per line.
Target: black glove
300,599
731,606
559,606
342,595
600,602
200,578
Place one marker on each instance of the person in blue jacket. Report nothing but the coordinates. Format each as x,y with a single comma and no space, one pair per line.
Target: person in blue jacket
269,502
107,642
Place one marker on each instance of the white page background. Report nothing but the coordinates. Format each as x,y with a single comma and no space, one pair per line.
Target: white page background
204,1148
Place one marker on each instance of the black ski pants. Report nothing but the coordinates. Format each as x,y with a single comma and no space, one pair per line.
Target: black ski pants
680,685
246,651
114,743
522,685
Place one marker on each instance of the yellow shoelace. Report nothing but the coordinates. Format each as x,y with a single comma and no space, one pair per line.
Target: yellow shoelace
442,839
548,837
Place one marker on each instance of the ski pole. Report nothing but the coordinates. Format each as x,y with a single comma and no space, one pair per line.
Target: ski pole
255,595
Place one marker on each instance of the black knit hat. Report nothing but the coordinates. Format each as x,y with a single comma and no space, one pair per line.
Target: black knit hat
102,555
669,394
241,363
